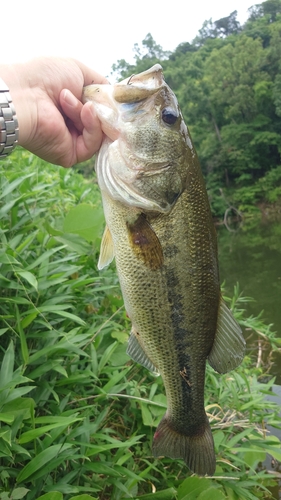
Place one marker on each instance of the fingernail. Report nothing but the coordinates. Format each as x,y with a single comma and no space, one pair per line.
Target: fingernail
92,109
69,98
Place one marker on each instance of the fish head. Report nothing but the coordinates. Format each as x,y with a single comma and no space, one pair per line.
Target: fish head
144,157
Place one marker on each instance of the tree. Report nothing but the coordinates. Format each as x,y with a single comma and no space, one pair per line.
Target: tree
271,9
218,29
227,25
150,50
148,54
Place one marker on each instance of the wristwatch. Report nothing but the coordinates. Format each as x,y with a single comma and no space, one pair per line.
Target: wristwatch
9,127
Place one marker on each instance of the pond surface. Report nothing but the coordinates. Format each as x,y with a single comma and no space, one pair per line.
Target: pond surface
251,256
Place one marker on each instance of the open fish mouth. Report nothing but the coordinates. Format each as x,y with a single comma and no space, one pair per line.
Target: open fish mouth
133,89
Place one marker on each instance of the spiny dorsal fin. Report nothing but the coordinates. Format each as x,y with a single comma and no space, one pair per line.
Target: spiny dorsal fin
137,353
229,345
106,250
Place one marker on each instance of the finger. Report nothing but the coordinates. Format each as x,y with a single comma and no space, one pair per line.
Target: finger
89,141
72,108
91,76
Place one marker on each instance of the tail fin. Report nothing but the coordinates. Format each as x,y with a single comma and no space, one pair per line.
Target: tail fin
197,451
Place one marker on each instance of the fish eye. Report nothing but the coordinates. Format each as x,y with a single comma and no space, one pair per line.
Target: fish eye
169,116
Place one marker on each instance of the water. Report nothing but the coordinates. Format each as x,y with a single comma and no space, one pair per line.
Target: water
251,256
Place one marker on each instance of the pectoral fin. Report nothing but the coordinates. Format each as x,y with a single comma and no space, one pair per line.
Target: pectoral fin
106,250
145,243
229,345
136,352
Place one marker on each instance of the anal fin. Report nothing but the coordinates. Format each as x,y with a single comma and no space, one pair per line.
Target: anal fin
136,351
229,345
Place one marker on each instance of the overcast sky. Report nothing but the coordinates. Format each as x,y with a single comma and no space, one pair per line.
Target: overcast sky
99,32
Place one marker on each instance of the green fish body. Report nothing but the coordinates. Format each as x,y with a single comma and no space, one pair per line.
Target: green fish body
161,233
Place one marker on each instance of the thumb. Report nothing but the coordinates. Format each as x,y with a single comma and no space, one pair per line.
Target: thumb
90,140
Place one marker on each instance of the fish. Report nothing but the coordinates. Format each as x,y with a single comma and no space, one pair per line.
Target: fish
160,230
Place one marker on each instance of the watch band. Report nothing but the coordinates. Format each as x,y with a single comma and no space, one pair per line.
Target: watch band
9,127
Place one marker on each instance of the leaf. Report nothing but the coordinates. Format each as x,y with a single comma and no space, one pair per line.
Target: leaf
74,241
75,318
167,494
218,438
19,493
121,336
7,207
35,433
48,366
25,405
238,437
52,495
8,418
20,248
103,468
212,494
146,416
83,497
25,322
30,278
44,257
254,457
24,348
5,434
115,378
59,310
16,300
107,355
85,221
7,367
8,259
11,186
41,460
18,392
5,450
52,230
95,449
191,488
21,451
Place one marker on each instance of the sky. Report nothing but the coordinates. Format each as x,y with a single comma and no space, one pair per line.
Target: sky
100,32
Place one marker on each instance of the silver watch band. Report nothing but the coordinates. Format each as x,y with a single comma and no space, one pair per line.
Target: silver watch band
9,128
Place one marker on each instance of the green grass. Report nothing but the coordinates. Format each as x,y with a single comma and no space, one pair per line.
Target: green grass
77,416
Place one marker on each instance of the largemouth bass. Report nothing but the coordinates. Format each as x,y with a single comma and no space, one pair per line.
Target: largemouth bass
161,233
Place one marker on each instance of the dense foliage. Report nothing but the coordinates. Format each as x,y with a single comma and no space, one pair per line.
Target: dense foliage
76,414
228,83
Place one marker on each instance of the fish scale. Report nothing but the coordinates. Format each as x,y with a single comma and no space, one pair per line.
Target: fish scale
161,233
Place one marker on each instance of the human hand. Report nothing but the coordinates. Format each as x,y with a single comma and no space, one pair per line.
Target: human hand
53,122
